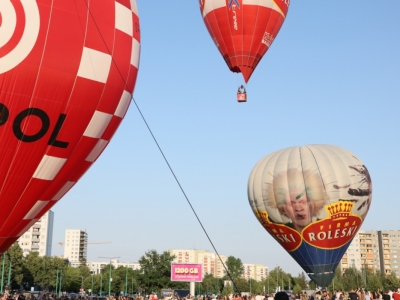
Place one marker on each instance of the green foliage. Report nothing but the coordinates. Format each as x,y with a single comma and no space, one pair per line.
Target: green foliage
154,275
373,282
14,260
297,289
235,267
227,290
155,272
241,284
210,284
301,280
269,283
256,287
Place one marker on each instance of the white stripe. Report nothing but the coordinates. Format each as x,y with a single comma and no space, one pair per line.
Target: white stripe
123,104
63,190
98,124
37,208
134,7
265,3
8,23
135,55
210,5
96,151
29,36
95,65
49,167
27,227
123,19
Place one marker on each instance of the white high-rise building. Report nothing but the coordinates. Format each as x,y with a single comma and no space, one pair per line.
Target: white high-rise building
75,246
255,271
96,266
39,237
212,263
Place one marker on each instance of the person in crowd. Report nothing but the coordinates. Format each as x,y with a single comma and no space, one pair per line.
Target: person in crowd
353,295
281,296
396,294
325,295
386,296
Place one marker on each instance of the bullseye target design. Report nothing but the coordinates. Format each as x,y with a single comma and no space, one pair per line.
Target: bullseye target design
19,29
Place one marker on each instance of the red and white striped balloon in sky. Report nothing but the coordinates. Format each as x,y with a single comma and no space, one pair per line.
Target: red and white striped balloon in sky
67,73
243,30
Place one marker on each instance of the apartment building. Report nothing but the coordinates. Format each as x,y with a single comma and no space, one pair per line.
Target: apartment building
96,266
389,247
255,271
75,246
374,250
39,237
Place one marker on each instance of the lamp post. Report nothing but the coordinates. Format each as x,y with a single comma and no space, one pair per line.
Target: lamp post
132,285
91,291
250,286
60,289
9,275
57,282
126,280
101,283
2,273
110,278
81,283
277,280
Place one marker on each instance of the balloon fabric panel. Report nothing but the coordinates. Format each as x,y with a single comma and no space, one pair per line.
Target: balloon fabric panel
312,200
243,30
67,72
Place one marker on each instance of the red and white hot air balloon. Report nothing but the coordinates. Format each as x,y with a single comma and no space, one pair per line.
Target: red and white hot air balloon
243,30
67,73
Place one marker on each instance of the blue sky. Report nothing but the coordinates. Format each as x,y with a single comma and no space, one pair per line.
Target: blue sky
332,76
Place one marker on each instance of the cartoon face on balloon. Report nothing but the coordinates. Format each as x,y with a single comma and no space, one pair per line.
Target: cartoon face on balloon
312,200
296,198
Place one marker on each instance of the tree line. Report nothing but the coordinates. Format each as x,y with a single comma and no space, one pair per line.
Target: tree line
51,273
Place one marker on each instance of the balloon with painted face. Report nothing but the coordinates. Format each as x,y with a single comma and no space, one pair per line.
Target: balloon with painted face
243,30
312,200
67,73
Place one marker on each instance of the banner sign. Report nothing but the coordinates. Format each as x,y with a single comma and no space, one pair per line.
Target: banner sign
187,272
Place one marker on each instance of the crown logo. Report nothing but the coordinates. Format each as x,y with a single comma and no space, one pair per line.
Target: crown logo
340,210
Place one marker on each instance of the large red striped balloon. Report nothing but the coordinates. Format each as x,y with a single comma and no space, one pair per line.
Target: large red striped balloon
243,30
67,72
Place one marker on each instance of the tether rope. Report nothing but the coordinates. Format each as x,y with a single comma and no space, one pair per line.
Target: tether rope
162,153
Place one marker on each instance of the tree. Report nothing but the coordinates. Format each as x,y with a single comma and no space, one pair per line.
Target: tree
297,289
391,282
14,257
373,282
269,283
353,279
227,290
256,287
241,284
302,281
210,284
155,272
234,266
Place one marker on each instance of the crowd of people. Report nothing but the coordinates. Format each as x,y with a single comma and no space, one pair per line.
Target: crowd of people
359,294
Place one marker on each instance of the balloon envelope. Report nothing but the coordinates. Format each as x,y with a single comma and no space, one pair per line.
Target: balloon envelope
312,200
67,72
243,30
